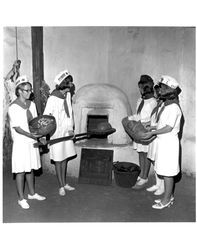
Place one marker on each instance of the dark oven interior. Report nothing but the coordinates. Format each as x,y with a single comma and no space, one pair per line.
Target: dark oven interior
93,121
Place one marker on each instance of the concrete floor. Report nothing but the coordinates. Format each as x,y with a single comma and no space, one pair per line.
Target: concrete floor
96,203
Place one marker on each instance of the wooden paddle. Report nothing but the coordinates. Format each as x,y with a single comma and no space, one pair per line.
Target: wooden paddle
65,138
94,132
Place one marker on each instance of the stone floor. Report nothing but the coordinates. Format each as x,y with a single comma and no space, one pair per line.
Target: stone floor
97,203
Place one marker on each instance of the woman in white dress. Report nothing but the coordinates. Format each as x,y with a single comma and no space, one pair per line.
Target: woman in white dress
167,149
158,187
145,106
59,105
25,158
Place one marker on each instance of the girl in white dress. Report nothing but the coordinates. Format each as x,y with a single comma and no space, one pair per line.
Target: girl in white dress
145,106
167,149
158,187
59,105
25,158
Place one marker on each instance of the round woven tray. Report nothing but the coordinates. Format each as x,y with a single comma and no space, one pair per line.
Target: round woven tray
136,131
43,125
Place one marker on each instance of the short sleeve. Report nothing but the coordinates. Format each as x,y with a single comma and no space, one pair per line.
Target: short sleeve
172,114
14,115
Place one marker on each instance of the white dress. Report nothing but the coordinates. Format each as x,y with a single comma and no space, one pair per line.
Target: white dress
152,146
55,106
24,156
144,116
167,150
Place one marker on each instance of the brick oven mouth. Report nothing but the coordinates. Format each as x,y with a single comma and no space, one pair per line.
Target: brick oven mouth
92,123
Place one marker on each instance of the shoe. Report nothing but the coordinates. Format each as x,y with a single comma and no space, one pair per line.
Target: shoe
36,197
140,184
152,189
160,205
23,203
62,191
68,187
159,191
159,200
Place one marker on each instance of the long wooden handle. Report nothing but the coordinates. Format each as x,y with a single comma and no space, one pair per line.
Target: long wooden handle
65,138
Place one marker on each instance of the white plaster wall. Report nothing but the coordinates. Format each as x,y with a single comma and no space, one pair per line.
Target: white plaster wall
150,50
81,50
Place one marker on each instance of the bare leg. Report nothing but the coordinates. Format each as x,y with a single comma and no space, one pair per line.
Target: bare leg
58,169
158,180
156,185
141,163
147,164
64,172
20,177
31,182
144,165
169,184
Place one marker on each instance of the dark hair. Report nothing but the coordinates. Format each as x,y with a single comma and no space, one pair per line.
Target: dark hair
170,93
72,90
19,87
145,79
156,87
32,96
65,83
147,88
156,90
168,96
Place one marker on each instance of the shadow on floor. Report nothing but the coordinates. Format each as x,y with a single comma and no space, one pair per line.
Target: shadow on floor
96,203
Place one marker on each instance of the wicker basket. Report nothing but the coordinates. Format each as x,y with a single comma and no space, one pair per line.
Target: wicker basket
136,131
125,173
43,125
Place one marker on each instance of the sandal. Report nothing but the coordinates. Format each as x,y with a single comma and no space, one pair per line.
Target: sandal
159,200
160,205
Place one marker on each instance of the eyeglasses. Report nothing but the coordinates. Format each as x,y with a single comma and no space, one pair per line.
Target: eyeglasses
27,90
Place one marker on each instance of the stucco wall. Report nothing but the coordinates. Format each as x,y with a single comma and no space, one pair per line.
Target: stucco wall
81,50
23,48
118,55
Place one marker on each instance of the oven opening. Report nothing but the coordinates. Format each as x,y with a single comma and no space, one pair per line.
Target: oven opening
93,121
